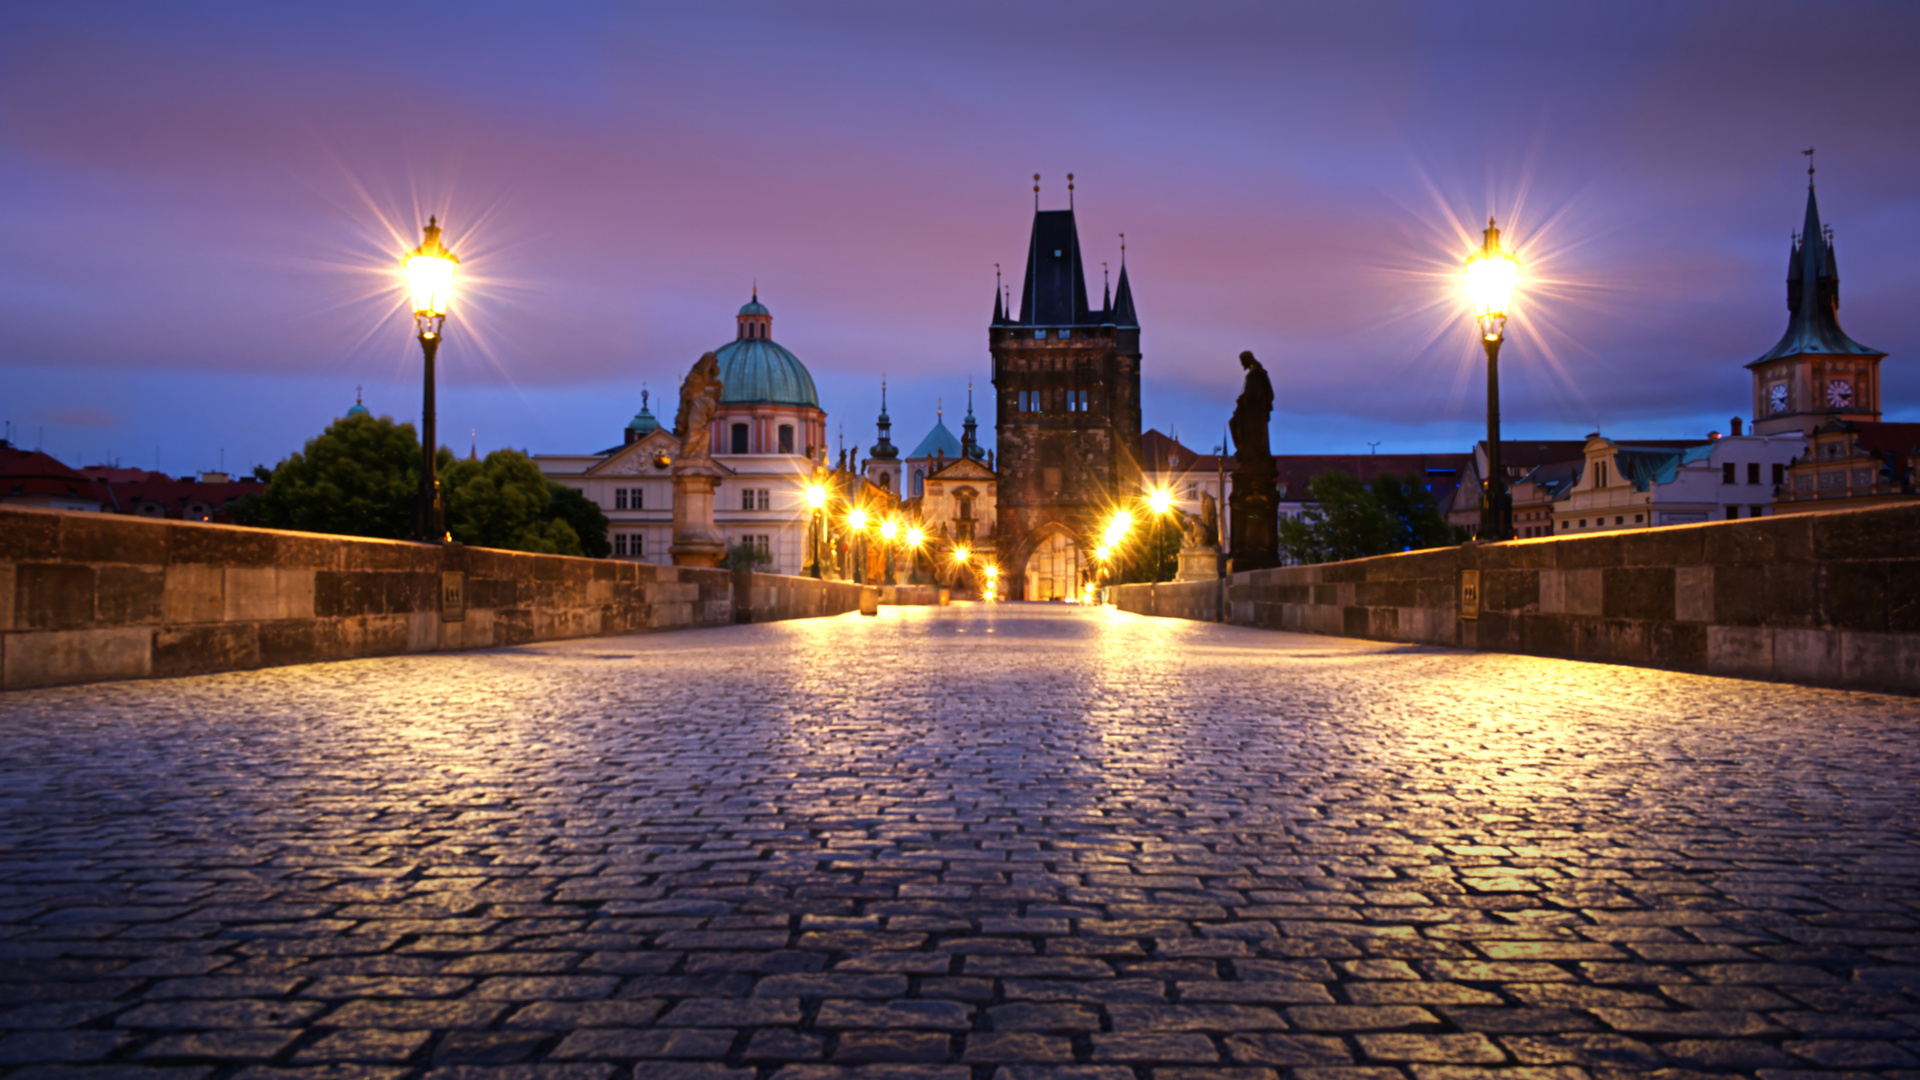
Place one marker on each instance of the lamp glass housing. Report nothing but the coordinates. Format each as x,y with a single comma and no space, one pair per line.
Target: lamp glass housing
430,270
1492,273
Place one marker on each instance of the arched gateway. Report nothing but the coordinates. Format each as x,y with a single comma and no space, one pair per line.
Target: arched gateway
1055,567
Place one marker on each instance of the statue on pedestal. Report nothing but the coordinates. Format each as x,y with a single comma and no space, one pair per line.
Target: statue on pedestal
1255,503
1199,542
695,474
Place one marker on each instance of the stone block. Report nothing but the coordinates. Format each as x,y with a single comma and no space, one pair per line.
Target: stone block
73,656
1510,590
6,590
409,592
1881,532
1677,645
193,593
1744,652
308,551
1903,596
380,635
293,593
1632,592
1881,661
1740,595
1811,656
1553,592
377,555
423,631
1759,541
347,594
53,596
29,534
118,538
1693,593
128,595
1854,595
1589,552
1583,592
190,650
1663,547
252,593
221,545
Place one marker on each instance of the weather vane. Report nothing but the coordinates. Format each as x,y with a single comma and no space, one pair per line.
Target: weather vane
1809,152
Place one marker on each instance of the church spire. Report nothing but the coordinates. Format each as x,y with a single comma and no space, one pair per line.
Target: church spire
999,313
884,450
1813,290
969,444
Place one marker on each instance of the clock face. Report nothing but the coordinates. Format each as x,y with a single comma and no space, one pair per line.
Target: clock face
1839,393
1777,397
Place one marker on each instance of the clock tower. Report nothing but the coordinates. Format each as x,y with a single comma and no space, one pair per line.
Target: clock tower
1816,373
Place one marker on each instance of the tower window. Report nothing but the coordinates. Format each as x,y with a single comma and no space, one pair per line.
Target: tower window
786,438
739,438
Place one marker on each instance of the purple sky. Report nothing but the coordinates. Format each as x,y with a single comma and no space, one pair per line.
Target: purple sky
202,207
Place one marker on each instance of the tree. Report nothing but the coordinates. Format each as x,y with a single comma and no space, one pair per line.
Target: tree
503,501
579,512
746,555
1352,520
357,478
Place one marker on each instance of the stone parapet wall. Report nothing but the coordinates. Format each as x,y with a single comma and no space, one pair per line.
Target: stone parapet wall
1198,600
1830,599
87,597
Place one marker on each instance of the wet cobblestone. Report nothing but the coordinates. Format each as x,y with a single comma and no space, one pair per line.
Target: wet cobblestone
1019,843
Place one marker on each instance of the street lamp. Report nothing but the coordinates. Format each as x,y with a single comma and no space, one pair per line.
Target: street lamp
430,270
1491,274
916,536
889,528
857,524
817,502
1159,500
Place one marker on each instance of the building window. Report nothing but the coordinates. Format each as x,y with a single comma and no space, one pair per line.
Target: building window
746,498
919,482
1583,523
619,498
619,543
766,498
739,438
1753,472
1755,511
1619,520
1638,518
966,507
1779,474
1733,512
1040,335
1726,473
1599,474
786,438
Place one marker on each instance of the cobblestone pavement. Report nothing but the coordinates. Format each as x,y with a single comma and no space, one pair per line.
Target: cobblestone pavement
968,844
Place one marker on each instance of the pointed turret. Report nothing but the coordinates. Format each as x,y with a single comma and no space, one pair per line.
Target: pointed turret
999,313
1813,295
969,445
1056,288
1123,302
884,450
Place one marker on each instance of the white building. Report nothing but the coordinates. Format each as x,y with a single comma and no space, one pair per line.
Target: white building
767,432
1623,486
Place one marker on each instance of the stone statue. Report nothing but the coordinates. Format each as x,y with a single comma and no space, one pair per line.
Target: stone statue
1254,505
699,396
696,542
1199,543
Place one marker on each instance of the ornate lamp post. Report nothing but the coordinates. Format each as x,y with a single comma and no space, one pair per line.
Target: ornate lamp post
817,502
430,270
1491,274
1160,501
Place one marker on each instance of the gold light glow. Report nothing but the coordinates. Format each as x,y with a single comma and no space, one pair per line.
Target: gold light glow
430,270
889,529
993,572
915,536
816,496
1103,553
1492,272
1117,528
1160,499
857,519
961,555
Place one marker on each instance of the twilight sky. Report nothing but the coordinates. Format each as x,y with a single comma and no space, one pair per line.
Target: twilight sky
202,207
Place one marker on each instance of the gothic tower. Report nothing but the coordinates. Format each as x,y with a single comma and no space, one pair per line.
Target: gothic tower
1816,373
1067,395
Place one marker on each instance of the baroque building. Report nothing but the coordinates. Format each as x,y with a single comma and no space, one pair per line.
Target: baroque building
1066,378
767,433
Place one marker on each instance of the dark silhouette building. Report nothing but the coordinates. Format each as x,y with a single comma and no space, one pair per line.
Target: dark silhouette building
1067,383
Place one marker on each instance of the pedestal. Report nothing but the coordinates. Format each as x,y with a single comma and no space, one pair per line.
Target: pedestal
695,540
1199,564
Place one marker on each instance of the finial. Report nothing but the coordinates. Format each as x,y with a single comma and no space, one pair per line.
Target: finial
1036,192
1069,191
1104,282
1809,152
883,391
939,409
996,277
356,396
643,399
1123,249
969,395
756,290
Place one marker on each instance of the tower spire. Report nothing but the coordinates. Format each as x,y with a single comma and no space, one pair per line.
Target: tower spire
969,443
1809,152
883,448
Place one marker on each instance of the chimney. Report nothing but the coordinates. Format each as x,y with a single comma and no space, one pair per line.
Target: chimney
1713,436
1735,422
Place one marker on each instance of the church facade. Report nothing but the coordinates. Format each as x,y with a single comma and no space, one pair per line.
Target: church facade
766,431
1066,381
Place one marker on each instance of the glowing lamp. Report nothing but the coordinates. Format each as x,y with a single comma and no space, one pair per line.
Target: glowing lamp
1161,499
857,520
430,270
915,537
960,554
816,496
1492,273
889,529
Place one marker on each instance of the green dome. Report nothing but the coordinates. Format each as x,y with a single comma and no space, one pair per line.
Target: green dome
754,307
755,371
642,423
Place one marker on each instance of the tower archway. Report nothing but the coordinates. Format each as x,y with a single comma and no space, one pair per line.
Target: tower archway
1055,565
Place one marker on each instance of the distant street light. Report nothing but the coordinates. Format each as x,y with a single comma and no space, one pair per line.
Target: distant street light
430,269
889,530
817,502
1491,275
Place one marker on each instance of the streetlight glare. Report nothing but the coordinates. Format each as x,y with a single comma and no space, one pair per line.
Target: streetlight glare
888,529
1161,499
1117,528
961,554
915,536
857,519
1492,273
430,270
816,496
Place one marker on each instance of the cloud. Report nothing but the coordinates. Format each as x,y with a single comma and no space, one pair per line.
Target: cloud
77,416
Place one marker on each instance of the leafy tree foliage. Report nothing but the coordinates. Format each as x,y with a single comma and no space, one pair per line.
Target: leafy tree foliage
588,523
357,478
1352,520
502,501
746,555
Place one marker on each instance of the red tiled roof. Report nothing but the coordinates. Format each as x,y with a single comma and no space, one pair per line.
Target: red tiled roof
32,473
